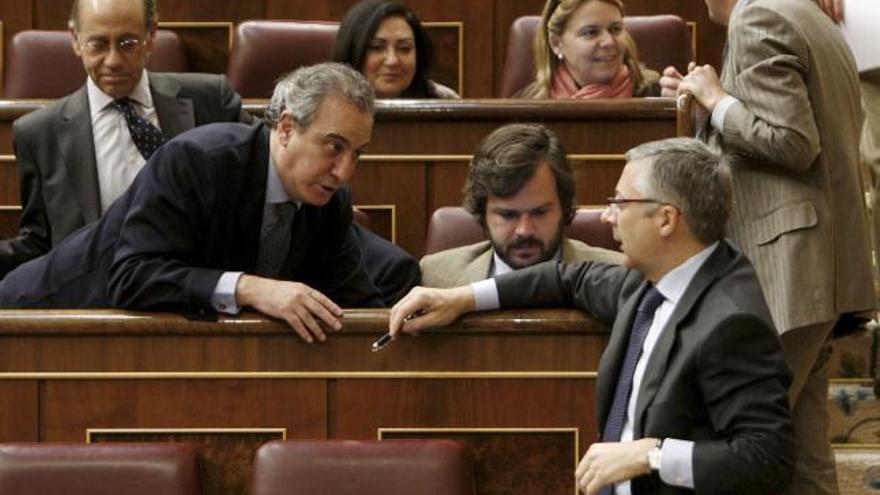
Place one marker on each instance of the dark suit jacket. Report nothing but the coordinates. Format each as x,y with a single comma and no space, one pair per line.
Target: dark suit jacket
716,376
392,270
193,212
56,156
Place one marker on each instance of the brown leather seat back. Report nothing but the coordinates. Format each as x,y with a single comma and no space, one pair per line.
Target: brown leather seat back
453,226
263,51
662,40
349,467
99,469
41,64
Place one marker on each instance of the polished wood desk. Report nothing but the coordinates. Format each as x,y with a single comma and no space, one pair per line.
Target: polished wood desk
418,158
518,387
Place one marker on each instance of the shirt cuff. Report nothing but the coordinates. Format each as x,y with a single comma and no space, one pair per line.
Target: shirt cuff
485,295
720,111
223,298
677,464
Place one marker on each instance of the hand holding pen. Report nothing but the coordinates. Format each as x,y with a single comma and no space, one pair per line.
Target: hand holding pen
423,308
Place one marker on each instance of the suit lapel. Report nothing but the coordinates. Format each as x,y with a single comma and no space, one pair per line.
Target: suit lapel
659,358
609,364
478,269
77,146
252,199
175,113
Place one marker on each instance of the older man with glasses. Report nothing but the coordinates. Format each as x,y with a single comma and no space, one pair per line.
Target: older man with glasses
692,388
79,154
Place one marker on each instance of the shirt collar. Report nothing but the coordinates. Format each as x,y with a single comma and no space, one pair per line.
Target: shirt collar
99,100
674,283
275,192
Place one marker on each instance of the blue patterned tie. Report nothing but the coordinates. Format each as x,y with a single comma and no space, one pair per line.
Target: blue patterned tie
144,134
651,300
275,240
644,316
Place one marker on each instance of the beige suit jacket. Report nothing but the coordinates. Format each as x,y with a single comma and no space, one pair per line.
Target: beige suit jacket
799,211
467,264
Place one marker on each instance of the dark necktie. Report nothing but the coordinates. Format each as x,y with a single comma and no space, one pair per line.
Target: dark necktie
642,322
275,240
144,134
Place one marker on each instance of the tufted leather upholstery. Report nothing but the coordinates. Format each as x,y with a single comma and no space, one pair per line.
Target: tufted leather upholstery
98,469
263,51
453,226
42,63
662,40
348,467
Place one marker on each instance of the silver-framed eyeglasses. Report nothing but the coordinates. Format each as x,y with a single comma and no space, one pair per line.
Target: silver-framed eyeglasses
614,203
98,46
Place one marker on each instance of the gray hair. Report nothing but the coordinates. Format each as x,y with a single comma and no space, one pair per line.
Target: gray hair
302,91
150,16
688,174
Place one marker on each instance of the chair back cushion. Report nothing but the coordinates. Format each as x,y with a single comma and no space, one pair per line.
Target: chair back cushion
349,467
263,51
453,226
98,469
42,64
662,40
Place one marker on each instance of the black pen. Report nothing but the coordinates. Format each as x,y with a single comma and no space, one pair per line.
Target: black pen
384,340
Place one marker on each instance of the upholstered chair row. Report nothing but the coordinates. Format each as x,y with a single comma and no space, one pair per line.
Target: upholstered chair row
42,64
340,467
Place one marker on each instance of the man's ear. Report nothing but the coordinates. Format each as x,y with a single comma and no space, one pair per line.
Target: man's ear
287,125
669,220
150,39
74,44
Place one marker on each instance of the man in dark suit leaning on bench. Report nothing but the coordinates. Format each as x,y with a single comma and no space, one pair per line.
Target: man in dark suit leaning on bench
78,155
230,215
692,386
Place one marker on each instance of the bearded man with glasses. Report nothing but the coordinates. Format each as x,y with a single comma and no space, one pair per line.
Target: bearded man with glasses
79,154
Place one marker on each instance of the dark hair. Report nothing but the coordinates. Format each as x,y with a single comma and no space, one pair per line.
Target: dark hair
358,28
149,15
688,174
508,158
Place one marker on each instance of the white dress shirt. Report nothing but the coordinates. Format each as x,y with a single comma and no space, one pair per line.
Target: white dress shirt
677,465
116,156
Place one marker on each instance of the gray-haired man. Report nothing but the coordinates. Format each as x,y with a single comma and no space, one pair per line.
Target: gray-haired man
228,215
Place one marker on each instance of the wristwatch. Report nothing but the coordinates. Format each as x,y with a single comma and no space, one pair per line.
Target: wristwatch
655,456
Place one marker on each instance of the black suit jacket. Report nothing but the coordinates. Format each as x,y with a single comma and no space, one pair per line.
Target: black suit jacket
193,212
716,376
55,152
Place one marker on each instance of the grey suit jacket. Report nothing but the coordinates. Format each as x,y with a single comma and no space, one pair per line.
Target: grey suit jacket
799,213
56,156
716,375
467,264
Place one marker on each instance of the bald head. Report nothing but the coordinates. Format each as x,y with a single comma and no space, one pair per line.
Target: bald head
146,8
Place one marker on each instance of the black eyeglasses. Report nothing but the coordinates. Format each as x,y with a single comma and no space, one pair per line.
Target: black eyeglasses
614,203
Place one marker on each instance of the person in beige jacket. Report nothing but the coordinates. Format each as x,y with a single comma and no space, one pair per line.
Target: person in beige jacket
521,189
786,113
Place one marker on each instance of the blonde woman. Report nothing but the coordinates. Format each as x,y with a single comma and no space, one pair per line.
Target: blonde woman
582,51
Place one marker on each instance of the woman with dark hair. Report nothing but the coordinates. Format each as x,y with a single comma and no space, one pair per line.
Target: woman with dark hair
386,42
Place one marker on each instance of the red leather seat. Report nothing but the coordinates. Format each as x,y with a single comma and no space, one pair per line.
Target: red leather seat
98,469
41,64
662,40
263,51
348,467
453,226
